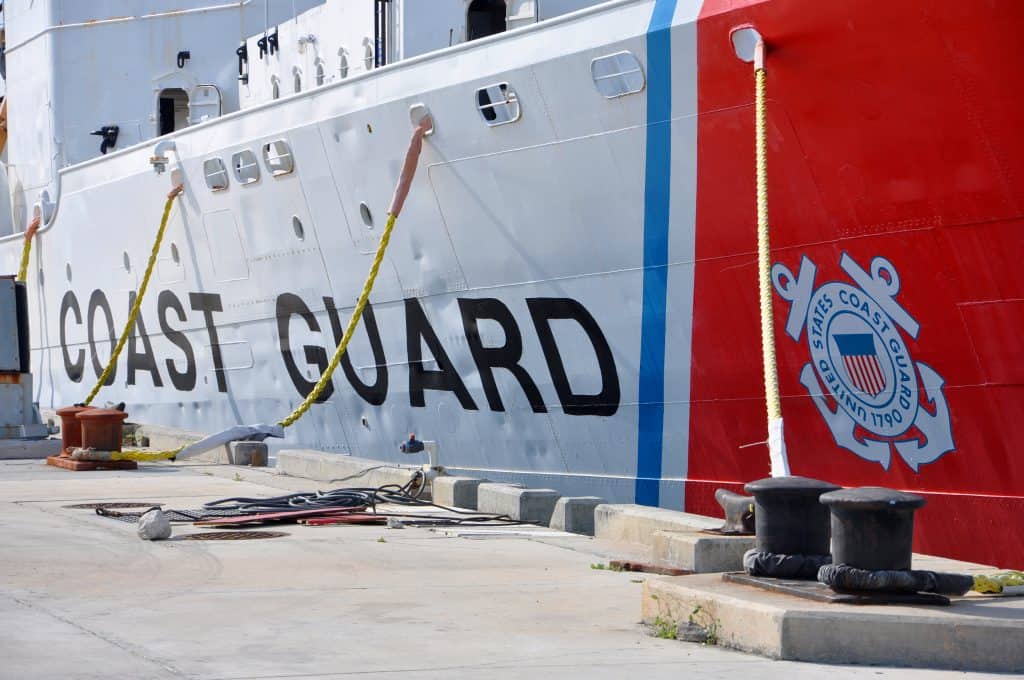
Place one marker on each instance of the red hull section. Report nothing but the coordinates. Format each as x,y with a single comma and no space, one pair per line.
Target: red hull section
894,132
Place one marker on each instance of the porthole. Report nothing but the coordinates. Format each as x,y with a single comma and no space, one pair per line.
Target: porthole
175,255
300,232
278,157
364,212
247,170
616,75
498,104
216,174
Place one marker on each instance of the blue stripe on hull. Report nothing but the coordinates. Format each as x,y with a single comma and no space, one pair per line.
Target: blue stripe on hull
657,199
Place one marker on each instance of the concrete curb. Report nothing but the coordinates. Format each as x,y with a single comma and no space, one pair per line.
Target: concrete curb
28,449
342,470
166,438
248,453
524,505
456,492
575,514
699,552
637,523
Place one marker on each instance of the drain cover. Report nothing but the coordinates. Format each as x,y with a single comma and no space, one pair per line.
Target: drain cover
233,535
112,506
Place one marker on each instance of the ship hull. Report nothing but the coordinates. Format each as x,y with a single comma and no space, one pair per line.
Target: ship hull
571,300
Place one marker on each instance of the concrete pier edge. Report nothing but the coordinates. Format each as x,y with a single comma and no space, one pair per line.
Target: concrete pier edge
960,637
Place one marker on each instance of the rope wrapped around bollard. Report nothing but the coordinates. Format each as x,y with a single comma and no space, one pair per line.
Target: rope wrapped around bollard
792,528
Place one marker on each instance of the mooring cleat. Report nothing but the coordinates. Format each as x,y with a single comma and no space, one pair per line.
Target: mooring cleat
739,513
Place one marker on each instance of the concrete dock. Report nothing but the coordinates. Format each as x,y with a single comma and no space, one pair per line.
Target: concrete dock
82,597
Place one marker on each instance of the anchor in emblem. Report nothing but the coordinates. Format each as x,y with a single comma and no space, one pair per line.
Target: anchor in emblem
859,357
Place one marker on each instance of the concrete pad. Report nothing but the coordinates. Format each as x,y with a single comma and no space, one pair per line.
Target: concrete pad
525,505
455,492
575,514
341,470
323,602
975,633
637,523
699,552
28,449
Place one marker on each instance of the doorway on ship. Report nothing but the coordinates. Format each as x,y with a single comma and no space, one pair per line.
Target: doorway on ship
484,18
172,110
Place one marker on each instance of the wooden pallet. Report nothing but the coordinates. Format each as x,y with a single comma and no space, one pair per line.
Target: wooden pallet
83,465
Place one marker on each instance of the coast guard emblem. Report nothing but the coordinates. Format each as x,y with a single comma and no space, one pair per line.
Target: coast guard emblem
859,358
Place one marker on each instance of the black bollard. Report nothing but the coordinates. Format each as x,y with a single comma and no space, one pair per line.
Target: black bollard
872,527
788,518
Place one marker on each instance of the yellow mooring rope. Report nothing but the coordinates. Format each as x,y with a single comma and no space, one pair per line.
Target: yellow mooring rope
353,323
318,389
996,583
174,193
776,442
401,191
26,248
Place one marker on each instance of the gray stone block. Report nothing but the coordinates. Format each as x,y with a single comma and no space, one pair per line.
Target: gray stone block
248,453
699,552
37,449
637,523
456,492
341,470
575,514
525,505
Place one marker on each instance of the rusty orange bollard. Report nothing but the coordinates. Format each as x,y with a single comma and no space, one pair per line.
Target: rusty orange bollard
102,428
70,428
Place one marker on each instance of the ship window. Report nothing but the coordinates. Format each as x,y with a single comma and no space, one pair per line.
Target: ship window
216,174
498,104
342,63
278,157
275,87
617,74
296,80
364,212
173,110
247,170
320,72
484,18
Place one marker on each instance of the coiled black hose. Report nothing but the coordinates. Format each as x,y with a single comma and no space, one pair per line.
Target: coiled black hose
408,494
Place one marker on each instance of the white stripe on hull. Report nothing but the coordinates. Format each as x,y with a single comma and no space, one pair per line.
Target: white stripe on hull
548,208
